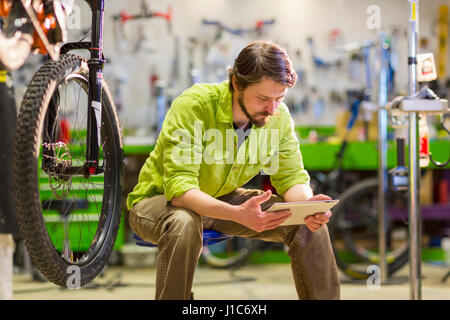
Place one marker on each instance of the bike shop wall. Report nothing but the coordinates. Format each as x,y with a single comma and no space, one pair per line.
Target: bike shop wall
142,48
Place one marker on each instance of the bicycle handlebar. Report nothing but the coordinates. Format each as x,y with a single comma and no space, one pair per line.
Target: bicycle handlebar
238,32
124,17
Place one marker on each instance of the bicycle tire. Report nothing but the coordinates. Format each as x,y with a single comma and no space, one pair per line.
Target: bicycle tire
236,253
52,262
395,259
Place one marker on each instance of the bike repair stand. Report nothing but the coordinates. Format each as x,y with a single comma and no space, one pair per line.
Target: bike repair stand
411,107
382,161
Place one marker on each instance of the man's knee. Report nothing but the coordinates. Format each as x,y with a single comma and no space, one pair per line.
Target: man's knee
184,224
307,239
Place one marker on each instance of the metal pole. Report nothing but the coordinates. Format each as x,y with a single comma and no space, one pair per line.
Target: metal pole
382,162
413,168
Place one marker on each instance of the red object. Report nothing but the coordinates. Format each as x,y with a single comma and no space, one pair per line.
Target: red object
64,135
424,145
124,17
334,34
92,170
153,78
266,185
167,16
443,191
423,149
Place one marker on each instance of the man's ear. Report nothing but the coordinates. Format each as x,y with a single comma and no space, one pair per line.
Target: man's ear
233,81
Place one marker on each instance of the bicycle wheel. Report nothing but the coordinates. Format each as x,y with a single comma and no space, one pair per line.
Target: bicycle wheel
354,228
230,253
68,220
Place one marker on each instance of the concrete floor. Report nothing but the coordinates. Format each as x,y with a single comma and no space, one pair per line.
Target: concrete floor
251,282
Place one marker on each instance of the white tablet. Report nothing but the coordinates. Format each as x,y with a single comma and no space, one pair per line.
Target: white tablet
301,209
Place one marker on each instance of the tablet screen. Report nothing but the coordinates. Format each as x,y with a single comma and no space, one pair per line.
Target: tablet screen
301,209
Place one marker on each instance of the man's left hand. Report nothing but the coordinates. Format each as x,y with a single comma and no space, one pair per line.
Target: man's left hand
316,221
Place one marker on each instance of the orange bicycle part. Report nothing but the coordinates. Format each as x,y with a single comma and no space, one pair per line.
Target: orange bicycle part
47,22
5,7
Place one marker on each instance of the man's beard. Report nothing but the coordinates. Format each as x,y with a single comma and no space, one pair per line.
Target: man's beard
253,120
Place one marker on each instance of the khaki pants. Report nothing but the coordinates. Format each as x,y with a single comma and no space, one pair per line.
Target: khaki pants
178,232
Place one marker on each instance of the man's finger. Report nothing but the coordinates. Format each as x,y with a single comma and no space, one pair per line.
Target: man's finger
262,197
277,215
322,217
312,229
275,223
319,221
309,220
319,197
313,226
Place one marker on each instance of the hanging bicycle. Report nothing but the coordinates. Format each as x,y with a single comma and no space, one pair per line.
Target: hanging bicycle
68,148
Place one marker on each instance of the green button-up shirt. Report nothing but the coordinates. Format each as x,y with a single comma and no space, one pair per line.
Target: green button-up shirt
197,149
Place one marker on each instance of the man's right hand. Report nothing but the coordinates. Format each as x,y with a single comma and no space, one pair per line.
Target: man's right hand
251,215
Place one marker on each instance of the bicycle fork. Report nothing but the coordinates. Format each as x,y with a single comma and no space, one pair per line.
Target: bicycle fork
94,114
95,64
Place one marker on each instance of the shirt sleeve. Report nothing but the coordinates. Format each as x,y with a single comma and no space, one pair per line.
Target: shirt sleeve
182,134
290,170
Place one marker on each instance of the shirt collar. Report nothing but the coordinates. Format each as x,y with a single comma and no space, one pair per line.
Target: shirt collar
224,111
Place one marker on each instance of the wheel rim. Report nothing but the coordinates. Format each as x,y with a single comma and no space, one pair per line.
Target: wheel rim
359,219
355,220
227,253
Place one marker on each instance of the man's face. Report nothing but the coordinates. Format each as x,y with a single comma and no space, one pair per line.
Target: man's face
261,100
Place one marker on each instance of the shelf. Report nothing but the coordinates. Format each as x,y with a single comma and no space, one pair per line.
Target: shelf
321,155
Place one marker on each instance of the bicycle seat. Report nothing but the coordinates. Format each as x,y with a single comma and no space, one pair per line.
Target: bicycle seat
209,237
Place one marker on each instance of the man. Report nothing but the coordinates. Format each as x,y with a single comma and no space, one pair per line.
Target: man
191,180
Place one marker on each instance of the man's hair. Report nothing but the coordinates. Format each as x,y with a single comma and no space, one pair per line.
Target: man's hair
262,59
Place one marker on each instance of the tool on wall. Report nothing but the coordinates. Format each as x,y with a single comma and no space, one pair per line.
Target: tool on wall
227,43
120,36
257,28
161,90
318,60
442,30
193,71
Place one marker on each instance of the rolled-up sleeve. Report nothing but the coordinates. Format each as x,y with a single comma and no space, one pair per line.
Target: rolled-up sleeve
182,134
290,169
